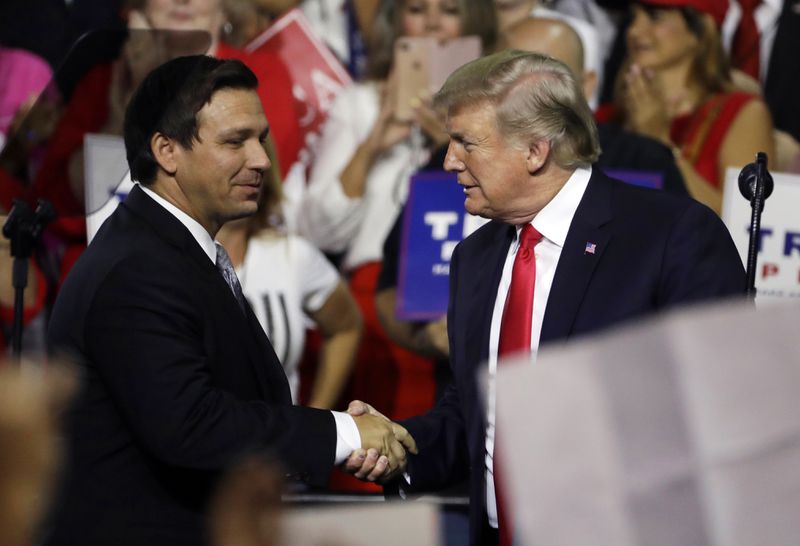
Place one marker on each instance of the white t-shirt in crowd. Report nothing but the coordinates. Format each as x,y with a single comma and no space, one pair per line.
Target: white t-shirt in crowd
284,277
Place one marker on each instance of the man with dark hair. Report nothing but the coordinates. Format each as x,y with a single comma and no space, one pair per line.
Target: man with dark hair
568,252
179,379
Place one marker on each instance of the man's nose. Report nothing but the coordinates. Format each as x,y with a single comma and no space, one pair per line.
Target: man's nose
451,162
258,158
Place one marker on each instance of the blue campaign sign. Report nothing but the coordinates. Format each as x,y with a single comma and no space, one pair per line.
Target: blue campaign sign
435,221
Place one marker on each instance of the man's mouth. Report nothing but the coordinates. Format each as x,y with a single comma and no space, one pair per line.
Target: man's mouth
253,182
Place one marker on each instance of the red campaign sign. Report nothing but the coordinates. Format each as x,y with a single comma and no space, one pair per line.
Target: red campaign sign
317,76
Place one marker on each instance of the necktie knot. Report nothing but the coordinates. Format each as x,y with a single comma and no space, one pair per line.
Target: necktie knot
529,237
225,267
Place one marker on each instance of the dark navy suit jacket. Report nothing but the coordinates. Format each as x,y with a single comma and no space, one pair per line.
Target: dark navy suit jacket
653,251
177,384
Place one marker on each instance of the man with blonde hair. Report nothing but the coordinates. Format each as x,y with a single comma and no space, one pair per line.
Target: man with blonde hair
568,251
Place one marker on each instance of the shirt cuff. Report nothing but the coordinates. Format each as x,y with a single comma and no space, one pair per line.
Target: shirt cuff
348,438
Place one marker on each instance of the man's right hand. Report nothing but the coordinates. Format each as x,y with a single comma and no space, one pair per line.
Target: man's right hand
383,445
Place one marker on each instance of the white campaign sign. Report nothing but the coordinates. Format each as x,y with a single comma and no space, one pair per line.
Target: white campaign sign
778,265
107,178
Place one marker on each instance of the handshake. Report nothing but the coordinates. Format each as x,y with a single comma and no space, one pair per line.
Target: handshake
384,445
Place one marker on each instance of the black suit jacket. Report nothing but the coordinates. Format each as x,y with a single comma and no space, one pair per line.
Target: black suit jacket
626,150
783,74
177,383
653,251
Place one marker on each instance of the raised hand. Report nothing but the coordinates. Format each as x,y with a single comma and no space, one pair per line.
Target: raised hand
388,130
429,120
648,111
370,462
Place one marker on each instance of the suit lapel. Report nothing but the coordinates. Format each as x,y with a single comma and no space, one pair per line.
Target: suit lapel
263,364
252,338
484,270
173,231
166,226
576,265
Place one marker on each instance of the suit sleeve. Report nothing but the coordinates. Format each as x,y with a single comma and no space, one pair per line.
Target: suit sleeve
700,260
146,342
440,434
443,458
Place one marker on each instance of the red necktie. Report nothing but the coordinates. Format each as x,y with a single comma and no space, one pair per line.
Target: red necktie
746,45
515,337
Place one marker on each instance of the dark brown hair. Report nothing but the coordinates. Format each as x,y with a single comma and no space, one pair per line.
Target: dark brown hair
167,102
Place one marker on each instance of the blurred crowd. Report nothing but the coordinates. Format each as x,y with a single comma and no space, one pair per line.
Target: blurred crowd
685,88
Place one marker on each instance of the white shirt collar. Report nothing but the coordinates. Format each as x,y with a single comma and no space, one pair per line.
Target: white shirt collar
554,219
199,233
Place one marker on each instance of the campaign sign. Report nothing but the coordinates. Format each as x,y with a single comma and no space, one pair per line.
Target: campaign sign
435,221
645,179
107,179
317,76
778,263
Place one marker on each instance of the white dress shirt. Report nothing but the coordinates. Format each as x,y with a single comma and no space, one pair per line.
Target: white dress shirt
553,223
348,438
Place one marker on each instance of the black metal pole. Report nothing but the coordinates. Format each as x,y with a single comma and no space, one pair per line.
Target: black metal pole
755,184
20,281
23,228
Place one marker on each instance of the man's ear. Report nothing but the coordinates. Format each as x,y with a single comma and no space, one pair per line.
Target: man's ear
165,152
538,152
589,84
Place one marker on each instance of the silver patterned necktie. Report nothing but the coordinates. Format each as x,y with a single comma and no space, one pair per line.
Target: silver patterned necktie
225,267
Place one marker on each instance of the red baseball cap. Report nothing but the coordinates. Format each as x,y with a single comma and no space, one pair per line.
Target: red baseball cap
715,8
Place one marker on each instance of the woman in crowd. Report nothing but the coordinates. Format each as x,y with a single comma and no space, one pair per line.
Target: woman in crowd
676,88
286,280
360,180
99,100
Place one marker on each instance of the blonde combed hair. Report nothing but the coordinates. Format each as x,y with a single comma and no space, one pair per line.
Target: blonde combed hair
536,98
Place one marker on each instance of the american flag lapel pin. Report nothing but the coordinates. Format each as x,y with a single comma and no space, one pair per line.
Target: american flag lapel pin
590,248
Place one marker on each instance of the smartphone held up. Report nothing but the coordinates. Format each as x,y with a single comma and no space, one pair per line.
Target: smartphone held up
423,64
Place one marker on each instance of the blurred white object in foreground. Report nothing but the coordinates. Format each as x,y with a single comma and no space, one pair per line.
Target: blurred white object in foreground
679,430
